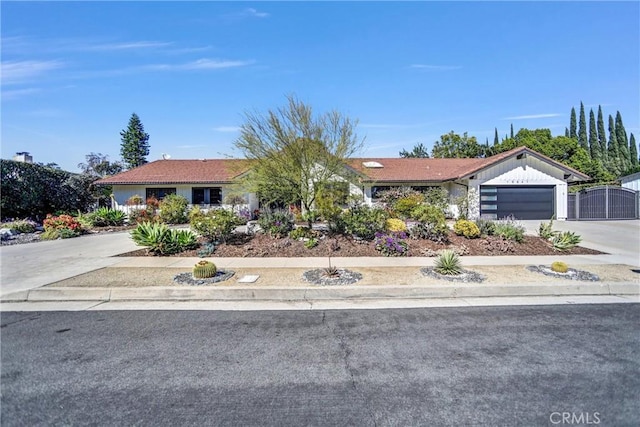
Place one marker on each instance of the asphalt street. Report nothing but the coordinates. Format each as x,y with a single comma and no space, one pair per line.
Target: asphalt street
497,366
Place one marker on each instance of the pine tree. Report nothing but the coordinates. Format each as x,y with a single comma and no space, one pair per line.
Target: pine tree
623,143
572,124
582,130
511,130
495,137
135,143
602,137
613,164
633,152
594,145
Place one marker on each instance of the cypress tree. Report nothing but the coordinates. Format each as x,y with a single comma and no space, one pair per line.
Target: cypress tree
582,130
495,137
602,136
511,130
623,143
633,151
572,124
566,132
613,164
594,145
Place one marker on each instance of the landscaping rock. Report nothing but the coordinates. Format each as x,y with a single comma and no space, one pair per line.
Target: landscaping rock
188,279
571,274
319,277
466,276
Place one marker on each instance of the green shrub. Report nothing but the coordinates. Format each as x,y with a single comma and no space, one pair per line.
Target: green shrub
565,241
173,209
134,200
204,270
546,230
559,267
405,205
299,233
510,229
276,223
391,196
103,217
438,197
364,221
486,226
448,263
468,229
138,216
431,224
21,226
216,225
310,243
162,240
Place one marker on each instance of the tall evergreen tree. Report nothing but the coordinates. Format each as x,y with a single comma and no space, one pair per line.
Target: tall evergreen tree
633,152
602,136
495,137
594,145
511,130
566,132
135,143
613,163
623,143
572,124
582,129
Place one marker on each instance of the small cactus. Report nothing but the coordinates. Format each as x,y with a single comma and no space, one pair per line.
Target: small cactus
204,270
559,267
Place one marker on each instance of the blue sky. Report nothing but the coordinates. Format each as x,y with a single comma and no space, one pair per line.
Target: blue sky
73,72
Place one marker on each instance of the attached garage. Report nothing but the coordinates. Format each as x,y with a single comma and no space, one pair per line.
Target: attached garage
521,202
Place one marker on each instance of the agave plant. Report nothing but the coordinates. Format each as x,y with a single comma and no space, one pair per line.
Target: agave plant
160,239
106,216
448,263
565,241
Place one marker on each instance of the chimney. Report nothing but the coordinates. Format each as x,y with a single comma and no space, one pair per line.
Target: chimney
23,156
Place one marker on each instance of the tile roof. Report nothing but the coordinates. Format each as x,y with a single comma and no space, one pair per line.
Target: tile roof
181,172
393,170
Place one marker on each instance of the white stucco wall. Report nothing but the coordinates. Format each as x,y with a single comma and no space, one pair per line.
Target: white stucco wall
525,171
631,182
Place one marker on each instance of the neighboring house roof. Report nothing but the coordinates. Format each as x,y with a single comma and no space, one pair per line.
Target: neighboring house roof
204,171
631,177
378,170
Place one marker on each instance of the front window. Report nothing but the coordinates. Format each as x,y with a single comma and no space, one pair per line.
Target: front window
159,193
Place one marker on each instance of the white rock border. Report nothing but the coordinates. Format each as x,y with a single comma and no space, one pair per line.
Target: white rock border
571,274
188,279
345,277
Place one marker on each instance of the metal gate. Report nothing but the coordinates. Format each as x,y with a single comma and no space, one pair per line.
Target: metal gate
603,203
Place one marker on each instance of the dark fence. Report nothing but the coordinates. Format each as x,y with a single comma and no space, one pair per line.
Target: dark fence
603,203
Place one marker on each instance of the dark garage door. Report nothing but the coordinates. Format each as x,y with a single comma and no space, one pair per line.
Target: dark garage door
525,202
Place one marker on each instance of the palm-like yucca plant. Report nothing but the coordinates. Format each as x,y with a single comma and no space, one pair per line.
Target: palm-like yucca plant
160,239
448,263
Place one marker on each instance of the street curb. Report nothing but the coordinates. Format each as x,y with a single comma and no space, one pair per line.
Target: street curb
463,290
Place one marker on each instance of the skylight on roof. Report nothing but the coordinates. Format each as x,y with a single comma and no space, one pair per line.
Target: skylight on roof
372,165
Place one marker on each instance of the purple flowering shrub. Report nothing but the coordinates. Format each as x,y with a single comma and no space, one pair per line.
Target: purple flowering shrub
276,223
392,244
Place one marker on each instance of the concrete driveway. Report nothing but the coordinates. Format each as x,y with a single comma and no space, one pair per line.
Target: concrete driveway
620,238
33,265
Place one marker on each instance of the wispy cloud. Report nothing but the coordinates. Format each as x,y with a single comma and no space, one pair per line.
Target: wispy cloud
20,71
200,64
19,93
136,45
255,13
533,116
429,67
227,129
